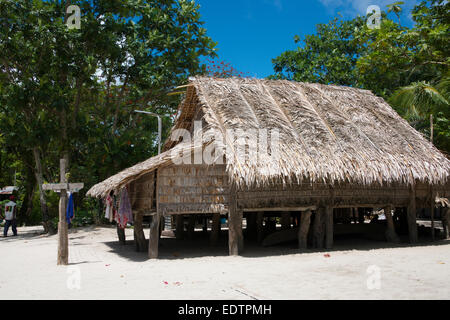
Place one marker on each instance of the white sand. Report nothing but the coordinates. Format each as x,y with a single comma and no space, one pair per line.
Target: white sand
192,270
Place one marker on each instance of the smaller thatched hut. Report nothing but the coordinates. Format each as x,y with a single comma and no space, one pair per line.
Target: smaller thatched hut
338,149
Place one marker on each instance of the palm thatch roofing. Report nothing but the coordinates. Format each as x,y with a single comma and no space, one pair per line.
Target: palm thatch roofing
328,133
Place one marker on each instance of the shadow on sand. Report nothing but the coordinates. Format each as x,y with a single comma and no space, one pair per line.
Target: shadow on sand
199,247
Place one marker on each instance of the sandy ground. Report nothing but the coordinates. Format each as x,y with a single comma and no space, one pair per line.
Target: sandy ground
101,268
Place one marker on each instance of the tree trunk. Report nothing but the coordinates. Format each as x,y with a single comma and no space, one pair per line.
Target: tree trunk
431,128
48,227
30,188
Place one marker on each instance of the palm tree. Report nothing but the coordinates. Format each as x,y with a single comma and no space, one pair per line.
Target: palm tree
396,8
422,100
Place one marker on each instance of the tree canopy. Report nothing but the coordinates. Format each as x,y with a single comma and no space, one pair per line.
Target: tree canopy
397,63
71,92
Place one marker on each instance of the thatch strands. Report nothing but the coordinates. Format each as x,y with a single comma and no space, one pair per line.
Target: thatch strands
126,176
328,134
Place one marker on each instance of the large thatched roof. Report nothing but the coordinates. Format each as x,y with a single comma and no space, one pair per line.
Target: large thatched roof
327,133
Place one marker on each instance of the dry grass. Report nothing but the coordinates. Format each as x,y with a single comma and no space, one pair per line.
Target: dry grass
330,134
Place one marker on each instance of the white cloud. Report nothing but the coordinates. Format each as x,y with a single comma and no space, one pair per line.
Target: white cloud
355,7
278,4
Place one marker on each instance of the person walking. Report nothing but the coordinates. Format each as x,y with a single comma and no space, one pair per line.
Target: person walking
10,217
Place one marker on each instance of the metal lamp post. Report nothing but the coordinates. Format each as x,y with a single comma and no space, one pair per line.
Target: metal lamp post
167,222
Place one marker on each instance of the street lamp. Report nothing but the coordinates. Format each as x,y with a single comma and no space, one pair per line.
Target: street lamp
167,220
159,126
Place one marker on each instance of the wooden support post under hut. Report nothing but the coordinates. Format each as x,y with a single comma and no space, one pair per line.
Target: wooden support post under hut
285,220
318,228
329,228
305,221
412,218
139,236
154,237
121,235
446,221
215,229
191,226
259,227
391,235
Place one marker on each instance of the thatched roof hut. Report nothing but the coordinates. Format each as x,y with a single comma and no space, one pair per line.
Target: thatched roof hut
330,137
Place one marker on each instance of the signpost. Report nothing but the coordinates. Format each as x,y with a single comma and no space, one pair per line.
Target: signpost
62,188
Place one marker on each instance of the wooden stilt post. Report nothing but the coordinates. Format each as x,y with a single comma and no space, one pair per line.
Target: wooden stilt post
191,226
155,225
235,216
305,221
121,235
432,206
318,228
412,218
215,229
445,214
285,220
329,227
179,226
259,226
391,235
139,236
154,236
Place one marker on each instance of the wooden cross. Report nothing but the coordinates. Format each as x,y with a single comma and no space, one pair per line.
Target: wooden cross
62,188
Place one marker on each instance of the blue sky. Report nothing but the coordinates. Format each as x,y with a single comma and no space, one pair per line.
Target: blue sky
252,32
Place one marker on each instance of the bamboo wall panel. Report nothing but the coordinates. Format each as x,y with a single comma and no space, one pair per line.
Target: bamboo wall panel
193,189
142,193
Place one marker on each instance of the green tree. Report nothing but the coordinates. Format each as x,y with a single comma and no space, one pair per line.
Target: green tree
329,56
419,99
70,93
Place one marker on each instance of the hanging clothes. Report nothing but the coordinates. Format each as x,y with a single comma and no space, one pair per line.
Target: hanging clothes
125,213
109,212
70,209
